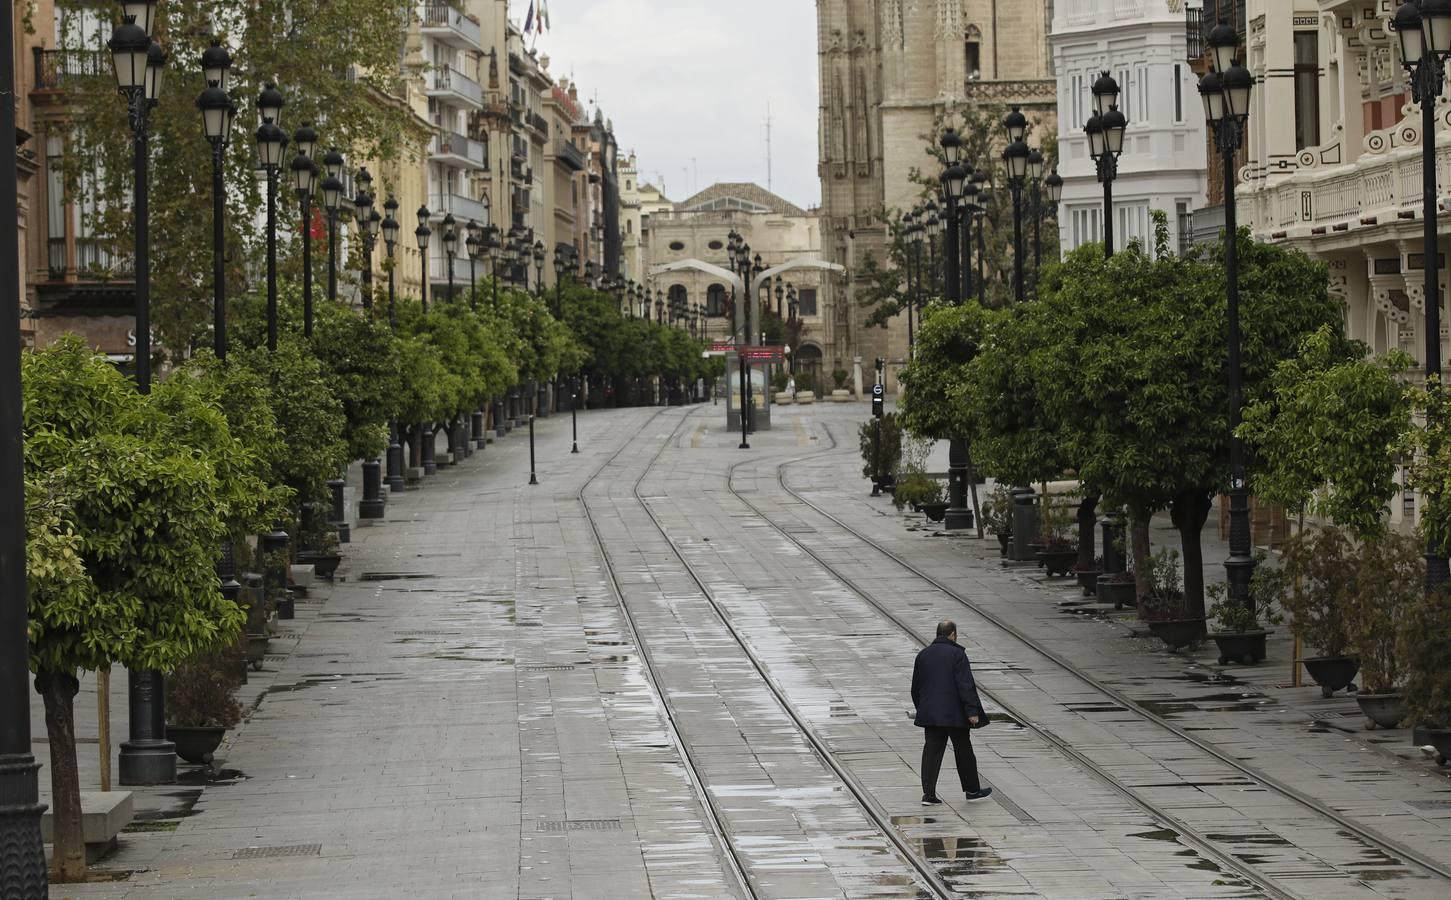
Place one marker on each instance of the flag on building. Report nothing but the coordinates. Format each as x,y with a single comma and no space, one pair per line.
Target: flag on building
529,18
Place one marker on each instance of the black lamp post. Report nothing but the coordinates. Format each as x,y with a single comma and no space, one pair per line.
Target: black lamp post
1105,131
912,232
450,248
1424,32
493,248
1035,178
954,178
965,212
147,757
271,142
1226,95
218,111
472,250
391,233
332,199
367,230
979,215
561,264
1015,158
932,227
1053,184
20,806
539,267
422,233
304,178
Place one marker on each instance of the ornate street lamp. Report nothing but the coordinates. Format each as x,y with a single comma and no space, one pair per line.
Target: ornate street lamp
473,246
1105,130
367,230
271,142
495,249
304,179
422,233
954,179
1035,177
561,265
979,215
538,252
450,248
137,60
932,227
332,199
1226,108
218,112
1015,158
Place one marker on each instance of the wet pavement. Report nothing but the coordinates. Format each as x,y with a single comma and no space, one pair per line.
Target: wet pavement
470,711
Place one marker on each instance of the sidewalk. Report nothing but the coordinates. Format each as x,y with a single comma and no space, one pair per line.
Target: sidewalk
456,717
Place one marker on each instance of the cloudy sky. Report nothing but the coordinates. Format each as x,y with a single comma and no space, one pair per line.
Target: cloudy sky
687,83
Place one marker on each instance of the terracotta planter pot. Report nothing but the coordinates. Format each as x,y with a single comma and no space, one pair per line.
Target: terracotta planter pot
1386,710
1058,562
1178,633
196,743
1332,673
1244,647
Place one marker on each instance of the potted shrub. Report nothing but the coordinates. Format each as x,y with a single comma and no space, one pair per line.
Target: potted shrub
1241,633
1425,654
887,432
201,704
1391,580
1164,606
1322,564
1059,552
997,516
326,558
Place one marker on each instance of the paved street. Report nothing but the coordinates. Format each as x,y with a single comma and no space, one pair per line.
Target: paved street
677,669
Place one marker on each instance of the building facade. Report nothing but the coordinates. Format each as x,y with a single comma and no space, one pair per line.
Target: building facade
1333,163
1144,45
889,71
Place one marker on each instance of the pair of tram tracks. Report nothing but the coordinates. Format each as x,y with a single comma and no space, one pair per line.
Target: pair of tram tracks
1265,881
930,879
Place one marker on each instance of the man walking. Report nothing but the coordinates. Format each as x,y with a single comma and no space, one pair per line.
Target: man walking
948,708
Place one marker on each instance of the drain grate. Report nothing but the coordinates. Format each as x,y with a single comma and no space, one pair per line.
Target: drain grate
275,658
277,852
549,668
1428,804
580,825
393,576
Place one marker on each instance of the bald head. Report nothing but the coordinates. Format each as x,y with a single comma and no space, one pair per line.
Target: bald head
946,628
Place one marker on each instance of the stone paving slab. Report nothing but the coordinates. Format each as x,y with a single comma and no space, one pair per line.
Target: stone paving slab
475,729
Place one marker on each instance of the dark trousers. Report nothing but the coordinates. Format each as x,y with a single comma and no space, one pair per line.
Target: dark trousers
936,746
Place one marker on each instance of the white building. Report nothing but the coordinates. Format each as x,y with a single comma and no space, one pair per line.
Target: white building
1142,43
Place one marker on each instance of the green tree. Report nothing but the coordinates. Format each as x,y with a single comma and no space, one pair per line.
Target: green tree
338,64
947,343
132,497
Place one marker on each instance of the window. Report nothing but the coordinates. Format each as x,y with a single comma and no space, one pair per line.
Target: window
55,204
806,302
1085,227
677,246
714,300
1185,221
1307,89
1131,221
974,60
1178,92
1076,93
715,245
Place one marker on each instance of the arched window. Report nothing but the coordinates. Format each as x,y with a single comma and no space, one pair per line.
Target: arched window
715,300
972,47
678,296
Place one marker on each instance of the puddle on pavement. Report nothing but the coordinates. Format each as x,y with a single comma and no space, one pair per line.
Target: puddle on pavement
1168,708
958,857
203,775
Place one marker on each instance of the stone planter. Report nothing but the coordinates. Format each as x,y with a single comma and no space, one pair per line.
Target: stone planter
805,398
783,398
196,743
1088,580
1332,673
1058,563
1243,647
324,565
1386,710
1119,593
1178,633
935,512
840,396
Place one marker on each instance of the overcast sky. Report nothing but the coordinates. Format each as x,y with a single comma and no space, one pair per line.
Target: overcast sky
687,82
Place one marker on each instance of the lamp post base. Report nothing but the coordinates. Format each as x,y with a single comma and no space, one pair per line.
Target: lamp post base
147,762
477,429
147,758
373,505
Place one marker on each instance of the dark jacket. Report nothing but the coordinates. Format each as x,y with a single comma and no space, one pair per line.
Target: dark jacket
942,687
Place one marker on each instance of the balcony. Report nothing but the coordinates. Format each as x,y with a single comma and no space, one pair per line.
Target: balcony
1194,34
450,85
457,150
52,67
1378,189
538,123
567,153
464,209
444,23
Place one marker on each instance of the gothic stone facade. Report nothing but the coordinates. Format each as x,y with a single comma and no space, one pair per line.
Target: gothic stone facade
888,68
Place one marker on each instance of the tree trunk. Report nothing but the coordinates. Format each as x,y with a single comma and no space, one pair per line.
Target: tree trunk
1086,522
1139,542
1189,512
58,692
